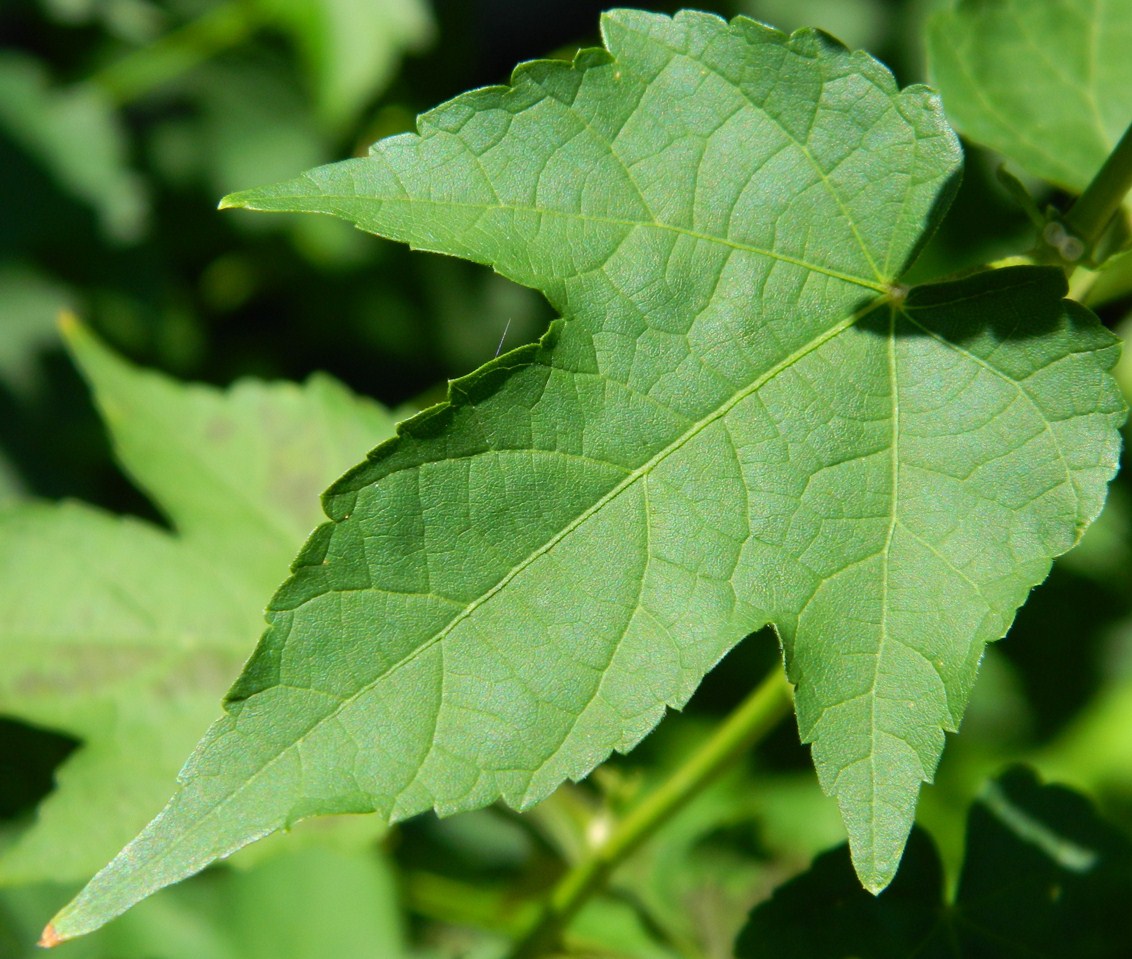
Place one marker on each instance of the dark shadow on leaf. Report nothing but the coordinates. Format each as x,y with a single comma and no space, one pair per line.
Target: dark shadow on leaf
935,218
1012,303
825,914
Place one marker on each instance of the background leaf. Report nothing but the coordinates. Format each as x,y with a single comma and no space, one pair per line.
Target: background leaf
30,304
1047,83
125,635
1044,876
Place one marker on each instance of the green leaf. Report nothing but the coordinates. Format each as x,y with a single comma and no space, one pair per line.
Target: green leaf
1047,83
126,635
1044,877
351,47
237,473
740,420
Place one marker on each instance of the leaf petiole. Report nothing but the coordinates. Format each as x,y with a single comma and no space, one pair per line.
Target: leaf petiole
1088,218
756,716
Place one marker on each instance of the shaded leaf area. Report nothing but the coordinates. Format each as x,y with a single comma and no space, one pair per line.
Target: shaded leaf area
1046,620
741,419
1044,876
349,908
125,635
1047,83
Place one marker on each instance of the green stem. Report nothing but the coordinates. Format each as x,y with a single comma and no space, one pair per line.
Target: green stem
748,724
1090,215
177,52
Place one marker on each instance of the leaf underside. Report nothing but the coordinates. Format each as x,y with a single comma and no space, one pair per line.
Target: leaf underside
739,421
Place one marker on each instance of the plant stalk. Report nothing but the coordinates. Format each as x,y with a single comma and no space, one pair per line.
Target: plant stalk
1094,209
177,52
756,716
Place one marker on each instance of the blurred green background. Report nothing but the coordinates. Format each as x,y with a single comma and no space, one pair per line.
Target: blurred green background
122,123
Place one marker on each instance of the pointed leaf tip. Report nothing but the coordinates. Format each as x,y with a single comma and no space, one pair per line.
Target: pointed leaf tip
50,938
236,201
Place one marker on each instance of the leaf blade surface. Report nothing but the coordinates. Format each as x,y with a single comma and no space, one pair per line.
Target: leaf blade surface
530,574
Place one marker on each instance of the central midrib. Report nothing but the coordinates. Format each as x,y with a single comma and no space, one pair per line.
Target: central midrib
631,478
214,808
886,559
876,286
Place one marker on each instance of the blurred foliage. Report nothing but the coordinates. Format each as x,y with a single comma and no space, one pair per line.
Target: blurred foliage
122,122
124,635
1043,877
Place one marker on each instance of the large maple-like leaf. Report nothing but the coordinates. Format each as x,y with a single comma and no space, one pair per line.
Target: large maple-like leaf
123,634
742,418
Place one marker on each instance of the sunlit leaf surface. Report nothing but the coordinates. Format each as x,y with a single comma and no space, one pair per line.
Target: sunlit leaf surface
742,418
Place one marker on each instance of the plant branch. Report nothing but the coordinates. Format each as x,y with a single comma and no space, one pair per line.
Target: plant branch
1090,215
748,724
177,52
